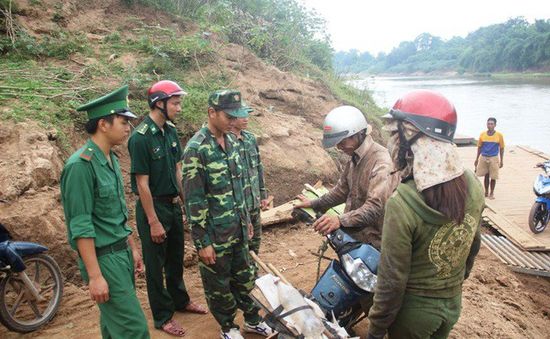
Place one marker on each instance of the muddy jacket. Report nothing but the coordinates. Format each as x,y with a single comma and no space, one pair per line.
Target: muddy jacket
423,252
364,186
212,186
253,171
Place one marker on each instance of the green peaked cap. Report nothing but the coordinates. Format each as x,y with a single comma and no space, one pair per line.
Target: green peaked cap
115,102
230,101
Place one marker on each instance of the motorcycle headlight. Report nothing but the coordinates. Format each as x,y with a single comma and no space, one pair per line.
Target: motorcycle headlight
359,273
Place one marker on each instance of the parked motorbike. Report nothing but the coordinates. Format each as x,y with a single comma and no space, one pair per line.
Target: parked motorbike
346,280
31,285
540,212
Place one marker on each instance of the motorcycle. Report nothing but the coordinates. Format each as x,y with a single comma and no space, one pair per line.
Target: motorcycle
346,280
540,212
31,285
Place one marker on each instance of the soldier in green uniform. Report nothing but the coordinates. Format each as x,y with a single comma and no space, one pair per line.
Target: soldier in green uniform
220,224
253,175
92,193
156,177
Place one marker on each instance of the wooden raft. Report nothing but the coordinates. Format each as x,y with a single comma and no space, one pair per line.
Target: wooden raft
509,211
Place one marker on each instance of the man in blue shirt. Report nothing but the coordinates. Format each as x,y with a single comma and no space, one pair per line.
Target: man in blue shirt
489,146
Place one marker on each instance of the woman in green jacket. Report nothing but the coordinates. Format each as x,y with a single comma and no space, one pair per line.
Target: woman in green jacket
431,226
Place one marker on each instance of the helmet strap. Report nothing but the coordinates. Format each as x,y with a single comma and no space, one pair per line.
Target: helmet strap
405,150
163,109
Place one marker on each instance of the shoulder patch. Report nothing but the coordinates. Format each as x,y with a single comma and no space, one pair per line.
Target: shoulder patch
87,154
196,140
142,128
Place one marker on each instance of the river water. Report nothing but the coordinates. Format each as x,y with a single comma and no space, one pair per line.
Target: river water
522,107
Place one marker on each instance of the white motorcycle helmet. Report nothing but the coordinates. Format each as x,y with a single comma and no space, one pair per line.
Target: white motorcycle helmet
342,122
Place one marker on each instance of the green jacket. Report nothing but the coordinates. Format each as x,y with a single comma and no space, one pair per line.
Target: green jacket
212,187
155,153
423,252
253,172
92,194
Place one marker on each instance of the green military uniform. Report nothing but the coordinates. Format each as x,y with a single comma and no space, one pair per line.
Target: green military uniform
155,152
214,200
254,187
92,193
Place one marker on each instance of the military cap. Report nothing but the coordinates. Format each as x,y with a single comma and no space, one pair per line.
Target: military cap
230,102
115,102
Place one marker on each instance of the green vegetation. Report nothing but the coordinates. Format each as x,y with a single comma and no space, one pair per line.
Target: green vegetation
513,46
44,77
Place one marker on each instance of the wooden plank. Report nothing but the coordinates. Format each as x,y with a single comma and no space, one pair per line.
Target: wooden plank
279,214
534,151
514,195
514,233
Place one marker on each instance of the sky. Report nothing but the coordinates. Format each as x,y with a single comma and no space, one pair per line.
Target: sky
379,25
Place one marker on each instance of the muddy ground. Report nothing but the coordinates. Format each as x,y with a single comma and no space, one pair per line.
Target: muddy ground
497,303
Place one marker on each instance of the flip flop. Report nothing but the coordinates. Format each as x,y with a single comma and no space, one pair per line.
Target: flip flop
193,307
173,328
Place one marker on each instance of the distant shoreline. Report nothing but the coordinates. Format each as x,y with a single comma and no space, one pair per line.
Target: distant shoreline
451,74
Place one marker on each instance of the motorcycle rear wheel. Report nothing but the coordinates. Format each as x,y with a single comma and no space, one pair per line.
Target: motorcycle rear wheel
18,311
538,217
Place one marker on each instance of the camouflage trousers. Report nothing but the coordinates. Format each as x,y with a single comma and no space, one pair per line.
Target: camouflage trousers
254,243
228,282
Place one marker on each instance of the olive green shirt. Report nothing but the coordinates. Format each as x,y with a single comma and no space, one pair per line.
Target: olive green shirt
423,252
92,193
155,152
212,187
253,171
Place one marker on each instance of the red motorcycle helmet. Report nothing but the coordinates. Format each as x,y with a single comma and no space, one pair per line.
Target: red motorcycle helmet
428,111
163,90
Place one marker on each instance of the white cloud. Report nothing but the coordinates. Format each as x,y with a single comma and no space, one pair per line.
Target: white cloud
380,25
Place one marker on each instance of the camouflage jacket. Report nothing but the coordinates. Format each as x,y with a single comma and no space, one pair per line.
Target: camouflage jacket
212,186
253,174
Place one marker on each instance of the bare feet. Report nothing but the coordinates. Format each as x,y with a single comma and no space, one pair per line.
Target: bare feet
193,307
173,328
492,196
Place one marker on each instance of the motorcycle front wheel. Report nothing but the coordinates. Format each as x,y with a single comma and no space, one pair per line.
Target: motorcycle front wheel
19,311
538,217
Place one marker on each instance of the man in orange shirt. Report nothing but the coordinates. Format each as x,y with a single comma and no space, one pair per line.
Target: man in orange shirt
489,146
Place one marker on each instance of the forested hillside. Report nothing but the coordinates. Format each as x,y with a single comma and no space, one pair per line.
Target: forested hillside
513,46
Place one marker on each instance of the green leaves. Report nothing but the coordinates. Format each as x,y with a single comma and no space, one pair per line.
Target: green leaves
515,45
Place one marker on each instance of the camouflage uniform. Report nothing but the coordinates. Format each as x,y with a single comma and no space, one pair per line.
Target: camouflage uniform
217,215
254,187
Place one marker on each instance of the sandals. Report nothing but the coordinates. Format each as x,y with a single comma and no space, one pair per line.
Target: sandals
193,307
173,328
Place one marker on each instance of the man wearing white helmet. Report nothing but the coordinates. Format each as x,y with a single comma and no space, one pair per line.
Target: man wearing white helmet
365,184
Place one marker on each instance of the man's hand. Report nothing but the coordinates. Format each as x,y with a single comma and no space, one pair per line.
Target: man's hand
208,255
99,289
501,164
326,224
158,234
138,263
475,163
304,202
264,204
250,231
